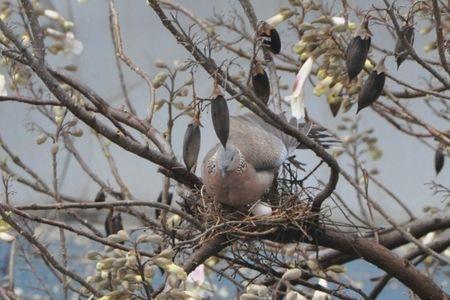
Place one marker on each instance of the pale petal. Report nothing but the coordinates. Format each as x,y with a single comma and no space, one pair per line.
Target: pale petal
51,14
297,97
2,85
198,275
338,20
279,17
297,105
302,75
6,237
319,295
428,238
275,20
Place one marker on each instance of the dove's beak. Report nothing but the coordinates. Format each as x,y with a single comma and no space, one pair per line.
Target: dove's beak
223,172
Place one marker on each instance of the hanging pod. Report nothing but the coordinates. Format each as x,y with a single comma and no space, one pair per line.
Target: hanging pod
113,223
260,82
220,118
401,49
271,38
100,197
439,160
335,106
191,144
357,51
373,86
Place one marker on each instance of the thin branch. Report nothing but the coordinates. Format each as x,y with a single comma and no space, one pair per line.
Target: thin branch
46,254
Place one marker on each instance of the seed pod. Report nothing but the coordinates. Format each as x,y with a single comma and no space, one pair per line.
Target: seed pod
260,82
439,160
271,38
117,223
357,51
401,49
100,197
113,223
335,106
356,55
220,118
191,144
372,87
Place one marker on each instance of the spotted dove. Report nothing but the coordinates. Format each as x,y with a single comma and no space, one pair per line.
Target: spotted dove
244,171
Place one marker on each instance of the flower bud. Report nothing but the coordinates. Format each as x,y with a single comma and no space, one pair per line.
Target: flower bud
149,238
338,269
41,139
51,14
167,253
159,63
176,270
159,79
258,290
292,274
94,255
54,149
131,261
77,132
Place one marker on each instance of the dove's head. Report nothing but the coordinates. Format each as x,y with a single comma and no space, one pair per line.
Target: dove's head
228,159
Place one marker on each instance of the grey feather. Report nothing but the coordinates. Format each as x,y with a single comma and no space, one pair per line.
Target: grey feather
262,145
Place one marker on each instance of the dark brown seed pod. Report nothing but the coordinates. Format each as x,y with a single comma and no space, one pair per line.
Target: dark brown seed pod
100,197
401,50
220,118
191,144
357,50
373,86
335,106
113,223
117,223
270,36
356,55
260,82
438,160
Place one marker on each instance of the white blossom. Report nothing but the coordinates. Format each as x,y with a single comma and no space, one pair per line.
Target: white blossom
72,45
280,17
297,97
198,275
319,295
6,237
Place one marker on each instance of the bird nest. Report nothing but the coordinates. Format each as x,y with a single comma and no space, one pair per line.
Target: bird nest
287,212
288,198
